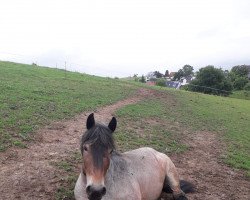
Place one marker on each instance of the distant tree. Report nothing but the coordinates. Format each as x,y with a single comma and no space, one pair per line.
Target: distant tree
240,70
142,79
166,73
240,82
150,75
239,76
247,86
158,74
226,73
178,75
136,77
211,80
187,70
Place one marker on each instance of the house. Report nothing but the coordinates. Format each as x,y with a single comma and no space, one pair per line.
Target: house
171,75
173,84
186,80
181,82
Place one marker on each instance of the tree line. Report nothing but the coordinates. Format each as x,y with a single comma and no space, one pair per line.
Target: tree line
212,80
209,79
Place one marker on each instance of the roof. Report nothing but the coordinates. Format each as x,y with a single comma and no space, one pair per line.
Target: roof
172,74
173,84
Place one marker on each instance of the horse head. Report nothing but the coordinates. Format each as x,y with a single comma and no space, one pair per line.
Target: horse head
96,147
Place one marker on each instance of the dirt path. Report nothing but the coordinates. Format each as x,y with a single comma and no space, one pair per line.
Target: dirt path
29,174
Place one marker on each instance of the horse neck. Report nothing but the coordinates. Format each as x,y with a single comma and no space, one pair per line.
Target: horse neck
116,168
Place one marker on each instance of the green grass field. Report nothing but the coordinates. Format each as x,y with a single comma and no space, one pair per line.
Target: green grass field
148,123
34,96
229,117
241,94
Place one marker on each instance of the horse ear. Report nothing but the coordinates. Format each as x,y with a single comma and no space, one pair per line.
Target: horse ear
112,124
90,121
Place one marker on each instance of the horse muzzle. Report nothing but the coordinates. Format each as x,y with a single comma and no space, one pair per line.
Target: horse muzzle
95,193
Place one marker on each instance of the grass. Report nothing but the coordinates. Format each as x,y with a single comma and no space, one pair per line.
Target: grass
148,123
241,94
33,96
68,180
229,117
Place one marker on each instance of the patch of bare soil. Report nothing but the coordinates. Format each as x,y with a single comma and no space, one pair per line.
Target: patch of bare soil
30,174
203,166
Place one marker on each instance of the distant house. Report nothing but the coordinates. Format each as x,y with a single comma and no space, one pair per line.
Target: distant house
171,75
186,80
173,84
181,82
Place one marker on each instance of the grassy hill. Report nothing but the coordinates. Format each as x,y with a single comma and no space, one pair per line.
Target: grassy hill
33,96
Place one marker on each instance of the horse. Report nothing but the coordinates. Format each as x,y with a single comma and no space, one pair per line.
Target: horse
140,174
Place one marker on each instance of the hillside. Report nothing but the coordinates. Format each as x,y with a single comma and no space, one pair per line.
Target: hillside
34,96
43,113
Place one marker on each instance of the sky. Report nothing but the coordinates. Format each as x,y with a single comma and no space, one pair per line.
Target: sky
125,37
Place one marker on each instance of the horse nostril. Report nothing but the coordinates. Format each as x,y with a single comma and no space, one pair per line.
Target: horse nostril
103,190
88,189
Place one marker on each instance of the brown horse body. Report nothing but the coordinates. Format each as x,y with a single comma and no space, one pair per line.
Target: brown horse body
140,174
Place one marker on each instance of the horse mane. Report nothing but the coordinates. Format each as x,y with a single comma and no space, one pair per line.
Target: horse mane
100,138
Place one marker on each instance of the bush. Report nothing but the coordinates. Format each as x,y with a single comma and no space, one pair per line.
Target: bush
161,82
247,87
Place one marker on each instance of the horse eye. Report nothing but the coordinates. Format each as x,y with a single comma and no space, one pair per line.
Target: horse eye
85,148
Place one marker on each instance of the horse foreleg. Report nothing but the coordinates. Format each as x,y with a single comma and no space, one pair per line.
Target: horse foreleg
172,183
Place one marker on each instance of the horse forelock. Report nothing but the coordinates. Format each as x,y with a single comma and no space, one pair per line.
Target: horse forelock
100,140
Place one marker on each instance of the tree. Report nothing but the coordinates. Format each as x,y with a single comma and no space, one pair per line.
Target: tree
240,70
239,76
135,77
158,74
178,75
167,73
142,79
187,70
211,80
240,83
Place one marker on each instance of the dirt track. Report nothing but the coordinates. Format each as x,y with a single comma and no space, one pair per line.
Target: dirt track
29,174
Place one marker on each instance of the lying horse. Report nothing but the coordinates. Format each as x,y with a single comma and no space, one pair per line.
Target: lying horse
139,174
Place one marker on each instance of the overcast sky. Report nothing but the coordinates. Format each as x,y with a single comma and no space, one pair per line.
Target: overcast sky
125,37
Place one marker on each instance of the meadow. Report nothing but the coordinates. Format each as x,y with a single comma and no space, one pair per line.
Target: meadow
228,117
33,96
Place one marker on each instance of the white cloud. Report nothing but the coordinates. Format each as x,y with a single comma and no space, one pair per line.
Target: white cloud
120,38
